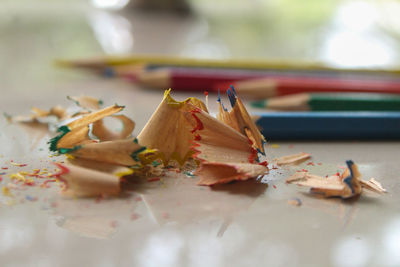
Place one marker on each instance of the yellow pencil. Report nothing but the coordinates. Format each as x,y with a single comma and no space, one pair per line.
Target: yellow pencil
108,61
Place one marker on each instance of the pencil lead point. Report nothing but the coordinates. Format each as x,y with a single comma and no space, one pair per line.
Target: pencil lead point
233,90
231,96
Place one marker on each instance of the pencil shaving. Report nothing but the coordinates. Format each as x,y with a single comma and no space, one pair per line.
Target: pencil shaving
225,154
117,170
86,102
84,182
76,132
348,185
373,185
59,112
212,173
118,152
292,159
38,114
168,130
216,141
239,119
104,134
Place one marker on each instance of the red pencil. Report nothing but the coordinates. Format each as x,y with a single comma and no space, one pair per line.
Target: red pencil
256,84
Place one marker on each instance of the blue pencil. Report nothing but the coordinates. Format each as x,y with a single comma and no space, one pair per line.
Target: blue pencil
329,125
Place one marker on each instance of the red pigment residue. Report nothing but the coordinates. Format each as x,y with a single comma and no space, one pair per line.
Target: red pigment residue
253,153
30,183
199,125
4,168
165,215
99,199
311,164
205,93
135,216
114,224
197,137
35,173
264,163
45,183
274,186
20,164
304,170
153,179
63,170
319,163
1,178
337,174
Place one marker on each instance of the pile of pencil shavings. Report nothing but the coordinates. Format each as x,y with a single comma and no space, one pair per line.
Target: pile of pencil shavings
218,150
222,149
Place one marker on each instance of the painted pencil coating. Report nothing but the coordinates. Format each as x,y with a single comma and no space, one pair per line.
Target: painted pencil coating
329,125
332,102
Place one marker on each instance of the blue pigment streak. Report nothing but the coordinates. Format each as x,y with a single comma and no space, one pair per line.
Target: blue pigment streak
348,179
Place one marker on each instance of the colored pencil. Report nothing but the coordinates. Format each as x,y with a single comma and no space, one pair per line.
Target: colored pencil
107,61
267,86
132,71
332,102
329,125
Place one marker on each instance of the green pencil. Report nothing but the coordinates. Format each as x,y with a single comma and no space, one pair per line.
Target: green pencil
332,102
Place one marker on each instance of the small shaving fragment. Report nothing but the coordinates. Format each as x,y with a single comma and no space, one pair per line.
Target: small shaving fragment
86,102
212,173
292,159
348,185
295,202
373,185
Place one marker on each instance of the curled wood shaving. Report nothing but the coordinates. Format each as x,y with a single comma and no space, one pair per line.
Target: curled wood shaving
118,152
292,159
168,131
239,119
212,173
346,186
85,182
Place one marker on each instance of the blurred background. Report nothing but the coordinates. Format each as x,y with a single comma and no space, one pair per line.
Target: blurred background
343,33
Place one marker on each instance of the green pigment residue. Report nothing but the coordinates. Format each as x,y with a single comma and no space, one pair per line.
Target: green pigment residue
135,155
53,141
68,150
189,174
155,163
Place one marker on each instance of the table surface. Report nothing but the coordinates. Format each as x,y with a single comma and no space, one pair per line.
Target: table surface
174,222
